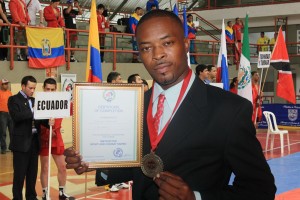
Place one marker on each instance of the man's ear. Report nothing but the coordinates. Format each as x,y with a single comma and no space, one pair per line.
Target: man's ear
187,44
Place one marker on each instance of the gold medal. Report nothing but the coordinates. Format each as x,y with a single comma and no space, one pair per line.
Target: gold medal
152,165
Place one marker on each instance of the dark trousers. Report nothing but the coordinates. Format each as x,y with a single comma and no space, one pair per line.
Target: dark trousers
5,122
3,40
26,166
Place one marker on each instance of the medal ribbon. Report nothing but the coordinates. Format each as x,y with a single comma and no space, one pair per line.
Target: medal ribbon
154,138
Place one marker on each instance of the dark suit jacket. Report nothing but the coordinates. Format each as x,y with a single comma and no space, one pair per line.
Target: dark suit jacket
210,137
22,117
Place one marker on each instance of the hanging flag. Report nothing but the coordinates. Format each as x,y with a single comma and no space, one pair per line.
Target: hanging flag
222,67
45,47
175,10
280,61
93,64
244,73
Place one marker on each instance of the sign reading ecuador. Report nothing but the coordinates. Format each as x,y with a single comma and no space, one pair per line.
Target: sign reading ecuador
52,105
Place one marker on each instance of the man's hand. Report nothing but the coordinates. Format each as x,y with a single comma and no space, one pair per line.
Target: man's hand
173,187
74,161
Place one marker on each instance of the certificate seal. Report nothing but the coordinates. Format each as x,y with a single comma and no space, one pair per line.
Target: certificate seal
118,152
152,165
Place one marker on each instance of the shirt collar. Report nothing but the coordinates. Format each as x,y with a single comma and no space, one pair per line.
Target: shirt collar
24,95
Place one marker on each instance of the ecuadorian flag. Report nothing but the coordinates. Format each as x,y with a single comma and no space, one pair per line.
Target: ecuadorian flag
93,65
45,47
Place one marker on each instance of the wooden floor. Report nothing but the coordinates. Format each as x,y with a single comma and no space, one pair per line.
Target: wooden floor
83,186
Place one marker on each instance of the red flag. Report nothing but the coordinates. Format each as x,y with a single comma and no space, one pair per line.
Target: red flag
280,61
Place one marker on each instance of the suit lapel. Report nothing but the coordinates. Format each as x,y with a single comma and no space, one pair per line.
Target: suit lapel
191,111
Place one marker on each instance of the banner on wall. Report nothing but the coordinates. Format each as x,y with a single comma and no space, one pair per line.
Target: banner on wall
67,81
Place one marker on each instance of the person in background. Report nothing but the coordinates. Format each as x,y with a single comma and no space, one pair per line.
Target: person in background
70,21
3,31
102,25
25,141
151,4
146,86
273,41
134,78
263,42
212,73
234,85
57,150
203,73
5,119
19,14
208,136
114,77
237,32
133,21
192,31
230,40
256,97
34,7
52,15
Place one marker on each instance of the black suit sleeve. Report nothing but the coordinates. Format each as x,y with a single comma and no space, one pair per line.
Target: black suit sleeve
243,154
19,111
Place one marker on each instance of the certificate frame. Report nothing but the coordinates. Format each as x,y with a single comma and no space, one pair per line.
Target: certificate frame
108,124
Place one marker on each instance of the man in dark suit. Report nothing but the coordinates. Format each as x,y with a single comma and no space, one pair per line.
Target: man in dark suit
204,133
25,142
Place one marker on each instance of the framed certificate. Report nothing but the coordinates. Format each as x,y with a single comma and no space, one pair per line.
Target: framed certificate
108,123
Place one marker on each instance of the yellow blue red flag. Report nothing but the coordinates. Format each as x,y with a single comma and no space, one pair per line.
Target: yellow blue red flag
45,47
93,65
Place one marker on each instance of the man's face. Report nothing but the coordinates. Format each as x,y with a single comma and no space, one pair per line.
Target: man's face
49,88
4,86
29,88
262,35
230,24
138,79
163,53
213,73
55,4
255,77
238,21
190,19
139,12
118,80
204,74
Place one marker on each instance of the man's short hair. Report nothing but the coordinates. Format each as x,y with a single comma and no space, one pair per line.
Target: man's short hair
100,6
228,23
157,14
112,76
189,15
132,78
200,68
49,81
25,80
262,32
253,72
138,8
237,18
209,67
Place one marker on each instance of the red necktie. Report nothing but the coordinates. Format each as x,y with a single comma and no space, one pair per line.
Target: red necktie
159,112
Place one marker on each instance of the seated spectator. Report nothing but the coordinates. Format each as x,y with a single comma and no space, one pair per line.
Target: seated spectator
234,85
52,15
146,86
3,34
19,14
263,40
134,78
212,73
202,73
102,25
151,4
70,20
114,77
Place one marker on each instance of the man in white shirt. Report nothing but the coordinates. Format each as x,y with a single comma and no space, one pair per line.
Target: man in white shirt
34,7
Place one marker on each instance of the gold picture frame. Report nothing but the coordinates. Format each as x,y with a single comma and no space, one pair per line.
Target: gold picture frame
108,124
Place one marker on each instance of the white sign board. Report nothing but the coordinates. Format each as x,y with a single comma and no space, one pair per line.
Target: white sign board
52,105
264,59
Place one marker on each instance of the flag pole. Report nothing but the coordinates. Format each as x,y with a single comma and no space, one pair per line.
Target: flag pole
259,95
49,162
